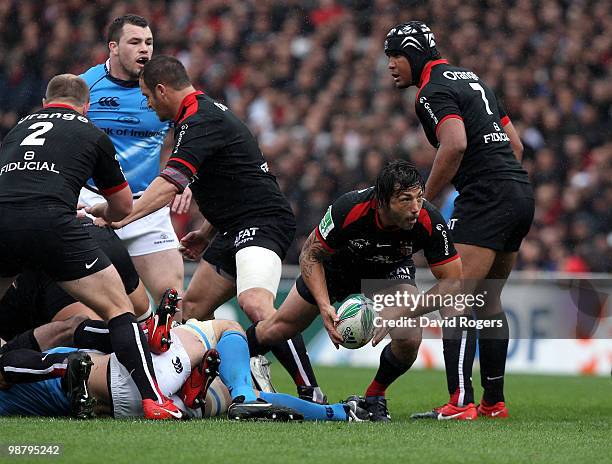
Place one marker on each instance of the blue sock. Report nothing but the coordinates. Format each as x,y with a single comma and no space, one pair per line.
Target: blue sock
311,411
235,370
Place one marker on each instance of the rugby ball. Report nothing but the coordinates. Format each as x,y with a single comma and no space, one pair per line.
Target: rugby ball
356,321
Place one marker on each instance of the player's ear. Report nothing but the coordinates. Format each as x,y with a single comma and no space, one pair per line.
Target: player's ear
86,108
113,47
161,89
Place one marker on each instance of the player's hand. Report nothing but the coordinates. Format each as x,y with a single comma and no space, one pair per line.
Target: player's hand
96,210
101,222
181,202
81,210
330,320
380,333
192,245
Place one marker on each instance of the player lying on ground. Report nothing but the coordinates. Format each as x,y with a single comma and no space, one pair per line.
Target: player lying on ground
367,234
183,372
35,299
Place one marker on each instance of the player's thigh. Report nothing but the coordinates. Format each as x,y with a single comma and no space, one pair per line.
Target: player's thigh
476,261
102,291
206,292
293,317
160,270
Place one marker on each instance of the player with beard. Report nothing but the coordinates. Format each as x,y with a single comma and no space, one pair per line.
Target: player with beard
119,108
368,234
216,154
479,152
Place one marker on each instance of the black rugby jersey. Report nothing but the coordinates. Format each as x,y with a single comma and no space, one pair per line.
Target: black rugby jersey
50,154
231,181
352,232
450,92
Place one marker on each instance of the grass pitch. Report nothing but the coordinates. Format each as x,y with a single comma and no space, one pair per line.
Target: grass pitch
554,419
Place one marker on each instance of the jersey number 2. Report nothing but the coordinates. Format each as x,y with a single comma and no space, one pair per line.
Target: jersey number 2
33,138
479,88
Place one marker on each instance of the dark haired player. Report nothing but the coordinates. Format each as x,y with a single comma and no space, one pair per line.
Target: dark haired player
119,109
217,155
479,152
366,234
46,158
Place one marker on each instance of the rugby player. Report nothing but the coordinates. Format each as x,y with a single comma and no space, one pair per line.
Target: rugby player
186,373
367,234
239,197
479,152
47,157
119,109
34,300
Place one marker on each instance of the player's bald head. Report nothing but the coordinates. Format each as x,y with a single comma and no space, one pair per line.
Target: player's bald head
166,70
67,88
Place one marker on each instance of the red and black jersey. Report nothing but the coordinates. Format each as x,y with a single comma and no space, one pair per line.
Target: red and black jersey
450,92
231,180
351,230
50,154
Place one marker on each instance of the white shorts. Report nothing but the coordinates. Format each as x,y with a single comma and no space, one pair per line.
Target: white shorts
144,236
172,369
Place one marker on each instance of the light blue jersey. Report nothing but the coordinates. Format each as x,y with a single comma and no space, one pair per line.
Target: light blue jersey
120,109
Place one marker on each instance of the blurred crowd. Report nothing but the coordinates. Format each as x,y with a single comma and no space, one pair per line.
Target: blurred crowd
310,78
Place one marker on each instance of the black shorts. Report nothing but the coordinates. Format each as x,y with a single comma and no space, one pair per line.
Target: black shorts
34,299
343,280
47,238
275,236
495,214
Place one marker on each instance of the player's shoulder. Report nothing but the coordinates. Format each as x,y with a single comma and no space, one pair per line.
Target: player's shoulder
430,217
94,74
354,203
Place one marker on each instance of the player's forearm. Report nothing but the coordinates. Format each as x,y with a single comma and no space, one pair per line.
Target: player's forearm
438,292
314,278
445,166
156,196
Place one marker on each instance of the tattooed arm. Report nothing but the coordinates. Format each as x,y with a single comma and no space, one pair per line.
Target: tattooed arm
311,267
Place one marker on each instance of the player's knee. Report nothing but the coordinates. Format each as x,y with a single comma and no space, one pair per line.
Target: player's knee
228,326
257,308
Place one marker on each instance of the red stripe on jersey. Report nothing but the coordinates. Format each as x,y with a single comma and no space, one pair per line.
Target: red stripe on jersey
115,189
59,105
505,120
320,239
189,106
426,74
447,260
356,212
425,220
448,116
184,163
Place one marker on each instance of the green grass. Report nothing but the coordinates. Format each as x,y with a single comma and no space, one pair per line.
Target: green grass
554,419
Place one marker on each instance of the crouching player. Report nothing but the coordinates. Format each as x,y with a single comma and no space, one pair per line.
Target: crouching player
367,234
185,372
